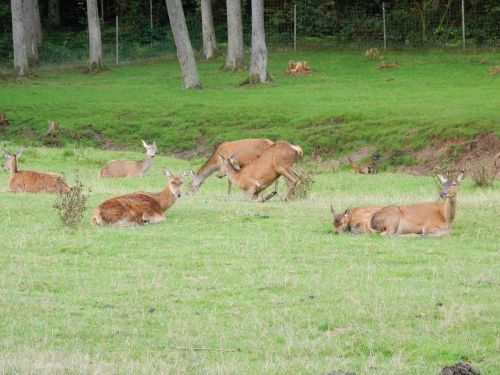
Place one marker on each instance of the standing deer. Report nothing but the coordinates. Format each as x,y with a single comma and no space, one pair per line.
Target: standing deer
355,220
128,168
427,219
31,181
140,207
275,161
246,149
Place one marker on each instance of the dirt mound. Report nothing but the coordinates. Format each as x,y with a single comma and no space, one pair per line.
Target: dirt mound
459,369
456,151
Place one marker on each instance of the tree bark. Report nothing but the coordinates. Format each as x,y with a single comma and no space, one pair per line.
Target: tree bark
95,43
235,59
54,13
210,48
32,29
190,79
258,63
20,54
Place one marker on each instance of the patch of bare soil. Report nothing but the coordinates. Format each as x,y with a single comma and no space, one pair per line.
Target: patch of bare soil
456,151
460,368
362,153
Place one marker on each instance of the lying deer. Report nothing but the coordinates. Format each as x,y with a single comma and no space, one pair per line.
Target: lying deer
256,176
140,207
355,220
128,168
246,149
427,219
31,181
362,168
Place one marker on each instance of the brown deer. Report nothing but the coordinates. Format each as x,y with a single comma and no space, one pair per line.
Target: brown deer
355,220
129,168
256,176
246,149
31,181
362,168
424,219
140,207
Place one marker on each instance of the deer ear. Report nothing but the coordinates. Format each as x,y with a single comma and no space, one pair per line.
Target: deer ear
233,156
166,172
441,178
461,176
144,143
19,151
221,158
346,212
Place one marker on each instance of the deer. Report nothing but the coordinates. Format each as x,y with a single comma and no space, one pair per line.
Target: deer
246,149
140,207
424,219
355,220
129,168
362,168
31,181
255,177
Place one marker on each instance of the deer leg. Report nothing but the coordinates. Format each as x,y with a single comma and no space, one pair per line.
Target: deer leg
292,180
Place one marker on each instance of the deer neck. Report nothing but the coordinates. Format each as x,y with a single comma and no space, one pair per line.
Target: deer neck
166,198
449,208
147,163
204,172
13,165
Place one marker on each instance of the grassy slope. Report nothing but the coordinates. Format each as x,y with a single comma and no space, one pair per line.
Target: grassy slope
271,280
345,104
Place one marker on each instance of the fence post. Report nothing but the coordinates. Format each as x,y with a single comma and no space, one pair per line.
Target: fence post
117,46
463,24
383,23
295,27
151,13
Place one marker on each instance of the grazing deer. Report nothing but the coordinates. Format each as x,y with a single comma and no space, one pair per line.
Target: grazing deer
355,220
425,219
140,207
246,149
30,181
128,168
362,168
256,176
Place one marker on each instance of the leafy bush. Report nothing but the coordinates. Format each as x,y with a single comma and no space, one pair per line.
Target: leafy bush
71,205
306,172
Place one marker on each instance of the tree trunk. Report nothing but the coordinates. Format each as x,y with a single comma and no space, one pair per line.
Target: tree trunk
95,43
54,13
258,63
235,59
210,48
32,29
18,38
190,79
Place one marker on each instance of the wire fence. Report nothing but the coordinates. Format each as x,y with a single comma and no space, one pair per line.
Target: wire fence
290,25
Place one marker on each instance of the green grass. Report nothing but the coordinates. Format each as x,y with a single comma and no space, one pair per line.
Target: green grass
345,104
268,280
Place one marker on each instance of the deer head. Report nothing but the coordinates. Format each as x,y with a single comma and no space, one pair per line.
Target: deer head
9,158
232,162
151,150
340,220
175,181
450,187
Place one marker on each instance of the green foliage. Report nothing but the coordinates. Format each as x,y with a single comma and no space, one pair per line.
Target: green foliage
71,205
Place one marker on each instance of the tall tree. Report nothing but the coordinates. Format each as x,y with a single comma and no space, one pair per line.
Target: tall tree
54,13
32,28
95,43
258,63
190,79
18,38
210,48
235,59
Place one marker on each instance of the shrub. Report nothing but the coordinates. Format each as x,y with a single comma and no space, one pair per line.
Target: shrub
482,171
71,205
306,171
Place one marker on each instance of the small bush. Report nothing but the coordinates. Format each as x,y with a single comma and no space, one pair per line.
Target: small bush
71,205
306,171
482,171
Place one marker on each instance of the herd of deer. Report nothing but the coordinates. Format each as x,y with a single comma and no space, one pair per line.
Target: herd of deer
252,165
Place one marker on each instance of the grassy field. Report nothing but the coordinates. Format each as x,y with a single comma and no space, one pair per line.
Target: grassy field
345,104
268,284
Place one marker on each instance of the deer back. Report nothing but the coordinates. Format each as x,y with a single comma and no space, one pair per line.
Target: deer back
36,182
